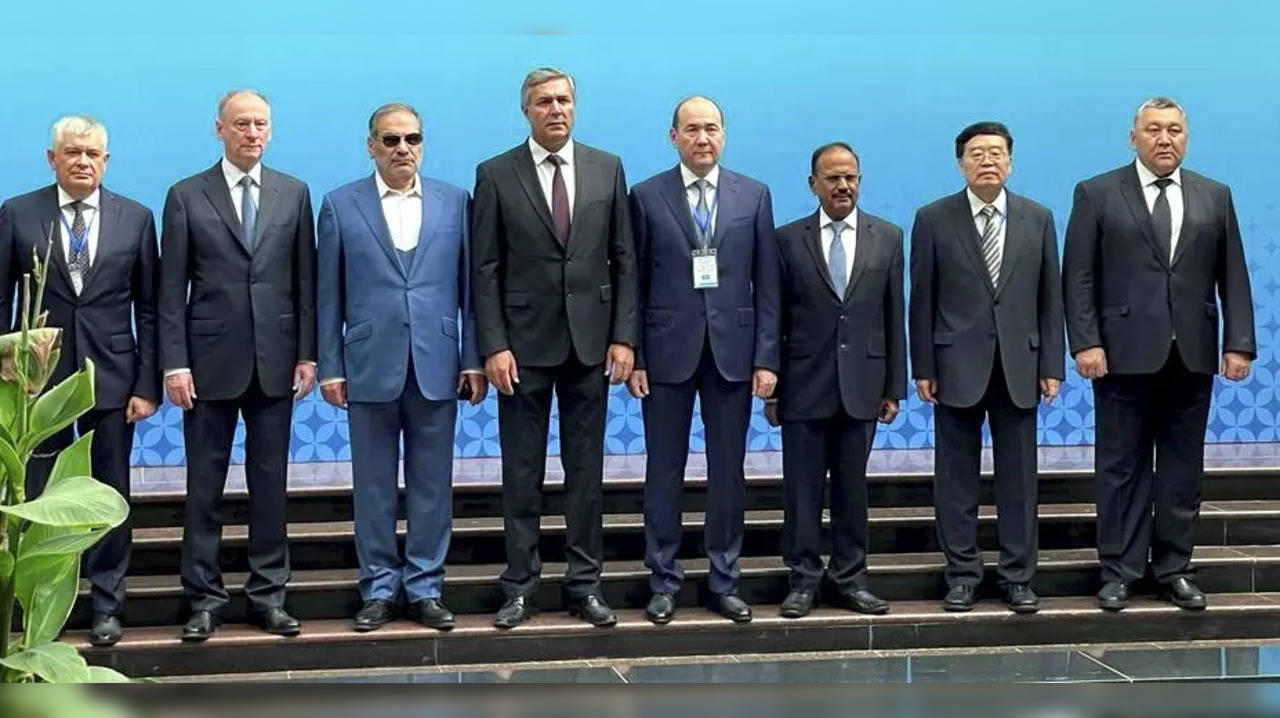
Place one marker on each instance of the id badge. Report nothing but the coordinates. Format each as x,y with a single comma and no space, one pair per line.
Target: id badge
705,273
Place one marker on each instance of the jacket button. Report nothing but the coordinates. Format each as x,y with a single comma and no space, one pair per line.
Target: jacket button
844,347
996,302
568,294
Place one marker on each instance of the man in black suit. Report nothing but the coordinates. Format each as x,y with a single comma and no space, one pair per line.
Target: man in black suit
555,302
986,342
238,334
103,277
844,367
1147,246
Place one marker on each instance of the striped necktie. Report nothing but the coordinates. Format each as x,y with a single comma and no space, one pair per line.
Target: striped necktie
991,242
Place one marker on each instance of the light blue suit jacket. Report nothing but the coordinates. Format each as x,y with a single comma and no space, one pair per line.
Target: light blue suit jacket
372,311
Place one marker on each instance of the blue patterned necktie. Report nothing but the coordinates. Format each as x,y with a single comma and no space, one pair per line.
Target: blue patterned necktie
835,259
248,210
701,213
78,262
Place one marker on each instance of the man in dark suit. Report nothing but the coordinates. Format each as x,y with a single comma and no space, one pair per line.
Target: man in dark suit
1147,246
986,343
102,282
238,335
395,329
708,268
555,302
844,367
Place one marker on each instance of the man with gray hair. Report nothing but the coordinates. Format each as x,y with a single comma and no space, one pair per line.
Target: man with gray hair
238,339
101,292
1147,247
553,280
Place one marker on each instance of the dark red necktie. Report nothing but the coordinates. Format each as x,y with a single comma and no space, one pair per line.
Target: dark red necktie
559,200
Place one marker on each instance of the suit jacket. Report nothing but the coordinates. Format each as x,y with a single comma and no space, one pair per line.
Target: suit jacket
374,313
1124,294
741,314
227,311
534,295
841,352
113,319
958,317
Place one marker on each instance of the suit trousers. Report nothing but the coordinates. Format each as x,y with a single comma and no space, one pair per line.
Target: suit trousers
1145,507
209,428
106,562
958,438
811,449
523,422
668,413
428,430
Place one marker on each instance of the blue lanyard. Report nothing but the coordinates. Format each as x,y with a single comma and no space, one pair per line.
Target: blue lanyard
78,245
704,233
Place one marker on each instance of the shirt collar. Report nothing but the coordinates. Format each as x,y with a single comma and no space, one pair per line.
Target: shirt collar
850,222
541,153
414,191
976,203
234,174
1146,176
93,201
712,178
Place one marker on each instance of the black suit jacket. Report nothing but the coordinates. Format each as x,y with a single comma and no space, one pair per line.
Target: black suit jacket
113,319
226,311
848,351
1123,294
532,294
957,315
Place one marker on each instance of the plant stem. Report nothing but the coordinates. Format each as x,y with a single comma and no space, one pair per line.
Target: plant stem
8,588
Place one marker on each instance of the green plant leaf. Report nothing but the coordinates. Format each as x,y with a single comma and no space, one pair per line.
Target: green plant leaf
75,460
10,396
15,470
46,588
99,674
54,662
65,541
58,407
74,501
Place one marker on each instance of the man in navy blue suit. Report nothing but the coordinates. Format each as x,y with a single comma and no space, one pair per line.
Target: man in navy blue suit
397,349
709,274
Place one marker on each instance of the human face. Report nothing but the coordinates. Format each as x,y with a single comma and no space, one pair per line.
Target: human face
397,165
244,128
986,163
1159,137
698,135
78,164
549,109
836,182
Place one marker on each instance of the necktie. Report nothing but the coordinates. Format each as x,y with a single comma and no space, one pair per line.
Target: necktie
78,263
559,200
701,213
248,210
991,242
835,259
1162,218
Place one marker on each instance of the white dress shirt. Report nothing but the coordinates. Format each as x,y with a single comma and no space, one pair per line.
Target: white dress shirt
848,238
1173,193
402,210
92,205
547,171
691,192
234,175
1001,204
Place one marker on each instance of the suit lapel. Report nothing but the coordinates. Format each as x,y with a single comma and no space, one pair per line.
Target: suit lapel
370,206
1190,195
582,165
863,246
726,202
1016,240
813,243
51,244
268,203
673,193
1131,188
432,208
108,219
522,163
215,188
968,238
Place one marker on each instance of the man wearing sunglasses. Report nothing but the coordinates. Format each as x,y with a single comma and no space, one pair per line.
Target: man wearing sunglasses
395,327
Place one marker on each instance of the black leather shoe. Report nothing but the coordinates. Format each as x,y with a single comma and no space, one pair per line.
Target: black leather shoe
276,621
515,612
1021,599
798,604
1185,594
592,609
960,598
200,626
661,608
430,613
106,630
862,601
374,614
1114,596
731,606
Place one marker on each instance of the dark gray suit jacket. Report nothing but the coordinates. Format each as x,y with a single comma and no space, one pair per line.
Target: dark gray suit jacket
958,316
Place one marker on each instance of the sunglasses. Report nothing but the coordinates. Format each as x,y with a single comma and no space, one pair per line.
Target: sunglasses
414,139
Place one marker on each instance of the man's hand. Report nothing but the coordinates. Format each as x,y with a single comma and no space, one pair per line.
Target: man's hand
888,411
477,387
618,366
500,368
1235,366
335,392
1092,363
763,382
181,389
138,409
304,377
1049,389
638,384
927,390
771,413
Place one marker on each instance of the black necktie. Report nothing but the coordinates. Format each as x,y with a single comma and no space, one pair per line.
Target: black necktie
1162,218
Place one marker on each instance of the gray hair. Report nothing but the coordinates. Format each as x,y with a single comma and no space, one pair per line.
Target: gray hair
77,126
1159,103
538,77
231,95
389,108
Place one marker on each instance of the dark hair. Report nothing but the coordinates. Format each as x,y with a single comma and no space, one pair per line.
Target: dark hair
813,161
982,128
675,115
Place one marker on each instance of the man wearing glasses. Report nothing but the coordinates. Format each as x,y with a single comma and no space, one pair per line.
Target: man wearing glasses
395,327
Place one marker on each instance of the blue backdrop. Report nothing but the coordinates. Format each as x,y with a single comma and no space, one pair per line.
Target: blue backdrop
897,82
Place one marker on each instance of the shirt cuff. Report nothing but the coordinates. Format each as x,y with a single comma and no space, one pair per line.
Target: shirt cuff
172,372
332,380
473,371
307,362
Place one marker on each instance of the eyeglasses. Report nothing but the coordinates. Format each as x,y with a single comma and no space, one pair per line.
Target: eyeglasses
413,138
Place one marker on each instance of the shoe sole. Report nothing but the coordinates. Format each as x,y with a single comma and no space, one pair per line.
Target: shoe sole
507,624
658,620
368,627
1197,606
1113,607
191,638
602,624
1024,610
869,612
438,625
793,614
103,642
957,607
